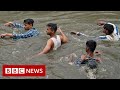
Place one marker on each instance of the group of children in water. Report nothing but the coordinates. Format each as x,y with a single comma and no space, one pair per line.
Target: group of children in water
111,34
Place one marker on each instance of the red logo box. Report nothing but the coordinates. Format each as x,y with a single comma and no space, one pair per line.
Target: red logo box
23,70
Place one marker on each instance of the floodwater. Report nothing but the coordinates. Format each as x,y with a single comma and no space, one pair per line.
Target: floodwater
57,62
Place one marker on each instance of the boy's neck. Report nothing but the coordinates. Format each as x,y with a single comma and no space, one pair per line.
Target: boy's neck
52,35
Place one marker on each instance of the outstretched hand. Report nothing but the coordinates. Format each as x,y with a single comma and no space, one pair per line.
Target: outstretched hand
101,22
8,24
2,35
98,52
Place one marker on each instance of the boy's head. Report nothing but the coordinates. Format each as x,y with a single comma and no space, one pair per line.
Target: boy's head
108,29
28,23
91,45
101,22
51,28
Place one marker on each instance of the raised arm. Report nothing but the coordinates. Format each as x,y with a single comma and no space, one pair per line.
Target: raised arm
64,38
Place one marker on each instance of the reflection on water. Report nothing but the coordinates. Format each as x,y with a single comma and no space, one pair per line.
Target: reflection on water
57,63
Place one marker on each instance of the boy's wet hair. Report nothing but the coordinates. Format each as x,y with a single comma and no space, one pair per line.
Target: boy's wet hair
109,27
91,44
53,26
29,21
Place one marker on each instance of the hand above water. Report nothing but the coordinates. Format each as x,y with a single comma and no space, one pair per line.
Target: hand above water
8,24
98,52
2,35
59,30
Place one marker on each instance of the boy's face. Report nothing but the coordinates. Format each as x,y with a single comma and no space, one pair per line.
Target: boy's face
105,31
27,26
49,31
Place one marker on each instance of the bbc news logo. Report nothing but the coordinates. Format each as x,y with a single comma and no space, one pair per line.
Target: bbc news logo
23,70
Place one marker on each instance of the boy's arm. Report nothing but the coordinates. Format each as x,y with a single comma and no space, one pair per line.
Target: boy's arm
45,50
6,34
30,33
63,36
14,25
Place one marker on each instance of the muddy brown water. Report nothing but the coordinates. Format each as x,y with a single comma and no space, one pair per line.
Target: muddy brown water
57,63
